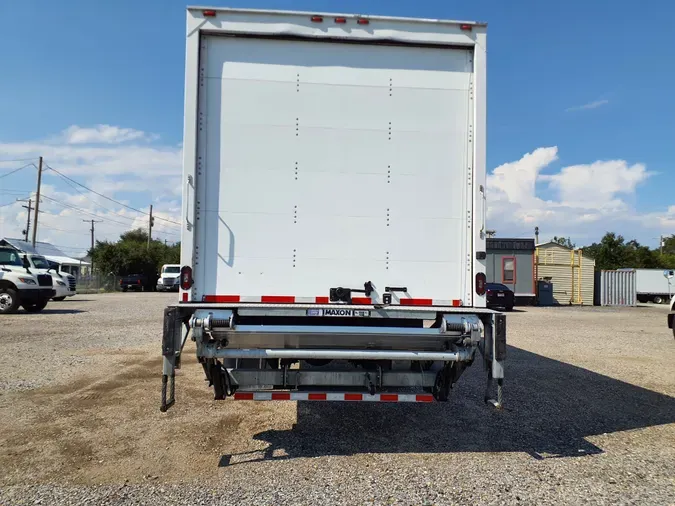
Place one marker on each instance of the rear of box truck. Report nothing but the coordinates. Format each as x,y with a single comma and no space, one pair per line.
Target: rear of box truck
334,202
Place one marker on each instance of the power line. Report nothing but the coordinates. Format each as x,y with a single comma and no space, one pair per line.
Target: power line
104,218
110,199
17,170
20,160
78,232
5,191
91,200
88,213
8,204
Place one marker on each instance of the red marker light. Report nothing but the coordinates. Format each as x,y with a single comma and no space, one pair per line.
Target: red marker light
340,21
481,282
363,21
186,280
209,13
466,27
317,19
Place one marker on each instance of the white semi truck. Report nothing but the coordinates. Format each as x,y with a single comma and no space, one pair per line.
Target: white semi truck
20,286
333,241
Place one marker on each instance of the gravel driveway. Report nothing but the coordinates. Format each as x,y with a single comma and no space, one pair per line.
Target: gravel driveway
590,419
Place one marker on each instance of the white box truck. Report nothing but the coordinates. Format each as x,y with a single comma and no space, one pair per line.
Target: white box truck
654,285
333,242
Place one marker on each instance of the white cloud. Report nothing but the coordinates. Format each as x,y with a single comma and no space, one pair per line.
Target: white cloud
114,161
596,186
586,199
590,105
516,180
104,134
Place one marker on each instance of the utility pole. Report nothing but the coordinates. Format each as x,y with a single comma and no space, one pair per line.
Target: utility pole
92,230
536,235
37,201
30,208
151,223
661,244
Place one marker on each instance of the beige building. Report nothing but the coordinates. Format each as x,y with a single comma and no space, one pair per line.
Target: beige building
571,272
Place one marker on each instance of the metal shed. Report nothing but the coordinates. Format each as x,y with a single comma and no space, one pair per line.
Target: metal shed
571,272
511,263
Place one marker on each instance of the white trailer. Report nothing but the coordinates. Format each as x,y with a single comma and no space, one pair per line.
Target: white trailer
654,285
333,242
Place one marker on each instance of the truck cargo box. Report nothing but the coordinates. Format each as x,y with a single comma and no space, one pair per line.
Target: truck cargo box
333,244
330,155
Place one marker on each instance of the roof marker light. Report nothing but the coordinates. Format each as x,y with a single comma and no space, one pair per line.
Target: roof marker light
341,21
363,21
317,19
209,13
465,27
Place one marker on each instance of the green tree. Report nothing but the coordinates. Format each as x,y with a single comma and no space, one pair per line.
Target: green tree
564,241
131,255
613,252
610,253
641,257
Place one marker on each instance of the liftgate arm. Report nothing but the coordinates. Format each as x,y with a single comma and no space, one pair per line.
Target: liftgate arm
172,345
494,353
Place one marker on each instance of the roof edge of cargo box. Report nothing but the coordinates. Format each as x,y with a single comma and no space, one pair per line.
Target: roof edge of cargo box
235,10
336,40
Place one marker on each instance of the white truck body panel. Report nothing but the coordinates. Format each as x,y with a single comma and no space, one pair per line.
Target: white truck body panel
654,282
325,155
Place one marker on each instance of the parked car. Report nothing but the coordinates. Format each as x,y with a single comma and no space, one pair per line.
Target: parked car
138,282
500,296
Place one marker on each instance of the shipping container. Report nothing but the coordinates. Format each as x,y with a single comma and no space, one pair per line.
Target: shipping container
617,288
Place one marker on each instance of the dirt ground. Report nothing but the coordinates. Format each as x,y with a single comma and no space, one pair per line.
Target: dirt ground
590,405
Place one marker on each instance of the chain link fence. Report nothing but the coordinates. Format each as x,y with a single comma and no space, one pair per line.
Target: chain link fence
98,283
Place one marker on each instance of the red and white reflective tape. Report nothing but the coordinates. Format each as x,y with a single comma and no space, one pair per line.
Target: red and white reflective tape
291,299
331,396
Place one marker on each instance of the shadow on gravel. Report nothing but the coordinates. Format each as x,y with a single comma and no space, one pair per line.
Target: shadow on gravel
551,407
61,311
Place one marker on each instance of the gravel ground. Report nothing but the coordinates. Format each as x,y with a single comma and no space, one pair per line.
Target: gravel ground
590,419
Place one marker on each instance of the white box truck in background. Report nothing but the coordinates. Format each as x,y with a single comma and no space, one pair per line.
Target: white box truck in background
654,285
333,244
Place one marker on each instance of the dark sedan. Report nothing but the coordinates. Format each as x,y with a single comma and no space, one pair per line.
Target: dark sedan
500,296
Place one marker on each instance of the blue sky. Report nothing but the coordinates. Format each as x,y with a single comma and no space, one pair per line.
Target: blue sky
593,79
